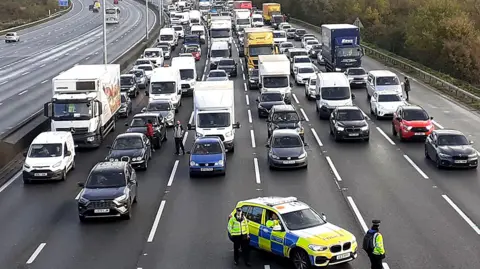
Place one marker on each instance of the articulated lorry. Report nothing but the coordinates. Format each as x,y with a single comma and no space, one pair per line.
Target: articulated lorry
214,111
272,14
257,41
341,47
274,75
86,99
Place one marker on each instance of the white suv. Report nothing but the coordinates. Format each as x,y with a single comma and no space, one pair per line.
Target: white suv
12,37
383,80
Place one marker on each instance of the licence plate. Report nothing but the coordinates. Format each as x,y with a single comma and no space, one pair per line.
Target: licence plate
288,162
353,134
419,133
343,256
40,174
359,82
461,161
101,211
206,169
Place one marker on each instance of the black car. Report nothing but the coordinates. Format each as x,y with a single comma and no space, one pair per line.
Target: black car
134,148
348,122
253,79
129,85
267,100
164,108
316,49
450,148
286,149
299,33
126,106
139,125
284,117
229,66
291,33
110,191
140,78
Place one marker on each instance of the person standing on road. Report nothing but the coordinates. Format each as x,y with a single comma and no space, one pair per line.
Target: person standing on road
406,85
178,133
150,133
373,245
240,235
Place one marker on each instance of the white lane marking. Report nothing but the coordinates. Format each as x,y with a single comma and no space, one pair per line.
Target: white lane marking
357,214
185,138
249,116
43,65
43,82
243,76
26,73
247,100
245,86
386,136
365,115
463,215
36,252
295,98
317,138
22,93
385,266
172,175
4,82
151,236
257,171
304,114
266,267
416,167
241,61
252,136
10,181
334,169
191,118
437,124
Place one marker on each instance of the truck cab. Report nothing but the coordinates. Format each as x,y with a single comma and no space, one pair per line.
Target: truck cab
274,75
258,41
165,84
341,47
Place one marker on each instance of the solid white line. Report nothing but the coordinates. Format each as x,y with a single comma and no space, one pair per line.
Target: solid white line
10,181
26,73
463,215
4,82
156,221
416,167
357,214
295,98
23,92
332,166
191,118
249,116
172,175
266,267
43,65
245,86
317,138
304,115
385,266
257,171
386,136
243,76
252,136
437,124
43,82
35,254
185,138
246,100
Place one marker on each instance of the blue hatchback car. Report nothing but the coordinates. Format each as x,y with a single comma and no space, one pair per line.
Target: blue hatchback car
208,157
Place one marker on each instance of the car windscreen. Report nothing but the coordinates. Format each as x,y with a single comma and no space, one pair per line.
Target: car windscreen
279,35
300,32
302,60
106,179
213,120
356,72
45,150
220,53
151,54
275,82
335,93
286,116
166,37
139,62
158,106
123,98
302,219
452,140
177,28
137,74
298,53
286,45
389,98
192,39
384,81
217,74
271,97
197,32
349,115
187,74
261,50
287,142
415,114
207,148
163,87
228,62
145,68
306,70
127,143
220,33
126,81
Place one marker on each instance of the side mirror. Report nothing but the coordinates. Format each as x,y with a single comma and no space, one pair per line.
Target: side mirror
25,153
267,146
398,118
189,152
81,184
257,100
144,109
69,153
471,142
109,147
317,97
324,217
353,96
277,228
305,144
190,127
179,92
126,124
431,118
236,125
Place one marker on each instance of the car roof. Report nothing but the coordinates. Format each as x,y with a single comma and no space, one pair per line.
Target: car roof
280,108
297,50
51,137
147,114
129,135
127,75
283,132
209,139
448,132
300,56
412,107
217,71
109,166
348,108
270,92
382,73
160,100
137,70
282,205
389,92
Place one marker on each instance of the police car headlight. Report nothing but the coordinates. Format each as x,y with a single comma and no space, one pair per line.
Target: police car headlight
317,247
300,130
219,163
192,163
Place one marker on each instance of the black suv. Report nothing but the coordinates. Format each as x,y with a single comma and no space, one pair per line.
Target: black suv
139,125
348,122
284,117
229,66
110,191
128,85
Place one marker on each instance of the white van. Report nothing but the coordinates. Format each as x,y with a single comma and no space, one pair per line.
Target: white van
219,50
195,17
51,156
165,84
154,55
168,35
187,73
332,90
199,30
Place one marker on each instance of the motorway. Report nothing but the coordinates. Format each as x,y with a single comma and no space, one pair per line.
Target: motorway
45,50
181,222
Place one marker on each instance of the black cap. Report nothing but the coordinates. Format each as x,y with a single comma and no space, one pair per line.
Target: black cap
239,209
376,222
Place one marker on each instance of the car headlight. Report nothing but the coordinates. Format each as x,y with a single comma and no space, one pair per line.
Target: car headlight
228,134
303,155
317,247
219,163
91,138
474,155
197,134
26,166
429,127
323,103
173,98
300,130
408,128
364,128
120,199
443,155
57,164
339,128
137,158
83,201
169,116
273,156
192,163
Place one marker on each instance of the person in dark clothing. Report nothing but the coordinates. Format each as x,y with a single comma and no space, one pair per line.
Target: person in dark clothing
150,133
178,133
373,245
406,85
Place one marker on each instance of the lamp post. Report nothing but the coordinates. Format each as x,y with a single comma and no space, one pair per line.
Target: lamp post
146,16
105,59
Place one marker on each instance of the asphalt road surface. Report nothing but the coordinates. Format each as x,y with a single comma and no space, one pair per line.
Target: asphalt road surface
181,222
27,67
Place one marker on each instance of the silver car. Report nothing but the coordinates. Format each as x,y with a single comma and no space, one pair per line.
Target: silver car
357,76
163,107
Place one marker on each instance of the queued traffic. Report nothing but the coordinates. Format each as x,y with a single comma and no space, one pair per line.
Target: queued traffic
276,61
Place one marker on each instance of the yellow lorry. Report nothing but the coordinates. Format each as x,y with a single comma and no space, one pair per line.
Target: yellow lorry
257,41
271,12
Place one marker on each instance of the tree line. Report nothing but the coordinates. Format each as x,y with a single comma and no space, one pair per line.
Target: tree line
17,12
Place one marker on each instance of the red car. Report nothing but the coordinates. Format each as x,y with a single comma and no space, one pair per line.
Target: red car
195,51
410,122
115,2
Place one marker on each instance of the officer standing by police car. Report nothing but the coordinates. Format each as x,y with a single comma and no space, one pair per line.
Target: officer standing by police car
240,235
373,245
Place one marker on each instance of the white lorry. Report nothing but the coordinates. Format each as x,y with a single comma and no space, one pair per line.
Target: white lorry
274,74
241,19
221,29
195,17
86,99
214,111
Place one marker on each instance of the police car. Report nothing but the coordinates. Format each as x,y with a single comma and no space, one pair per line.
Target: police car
303,235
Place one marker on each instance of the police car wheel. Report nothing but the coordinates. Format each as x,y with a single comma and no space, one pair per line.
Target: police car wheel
300,259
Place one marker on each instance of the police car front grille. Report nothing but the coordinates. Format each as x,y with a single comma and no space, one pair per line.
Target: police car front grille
347,246
335,248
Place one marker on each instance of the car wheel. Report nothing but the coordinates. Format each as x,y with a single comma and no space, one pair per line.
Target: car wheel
135,199
438,163
74,165
426,153
366,139
232,149
300,259
371,111
129,214
82,219
394,132
376,115
64,175
145,165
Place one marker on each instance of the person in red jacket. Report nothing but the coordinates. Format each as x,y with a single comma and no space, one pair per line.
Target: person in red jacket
150,133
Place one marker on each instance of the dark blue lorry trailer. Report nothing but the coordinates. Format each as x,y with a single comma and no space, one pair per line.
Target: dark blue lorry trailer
341,47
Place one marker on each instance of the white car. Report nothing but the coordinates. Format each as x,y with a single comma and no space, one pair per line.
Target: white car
320,60
147,68
310,43
310,87
185,54
304,72
284,26
300,60
385,103
257,20
155,55
217,75
279,36
357,76
175,18
12,37
141,61
305,39
283,47
179,30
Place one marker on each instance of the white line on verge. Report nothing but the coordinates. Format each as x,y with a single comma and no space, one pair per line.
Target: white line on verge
252,136
191,118
332,166
317,138
257,171
416,167
295,98
245,86
22,93
249,116
246,99
36,252
151,236
10,181
243,76
463,215
185,138
386,136
304,114
357,214
43,82
172,175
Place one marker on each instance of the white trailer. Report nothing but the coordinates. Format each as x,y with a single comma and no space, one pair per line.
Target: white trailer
214,111
274,74
85,101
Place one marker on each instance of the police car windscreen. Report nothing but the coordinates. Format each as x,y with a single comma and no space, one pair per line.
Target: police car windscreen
302,219
163,87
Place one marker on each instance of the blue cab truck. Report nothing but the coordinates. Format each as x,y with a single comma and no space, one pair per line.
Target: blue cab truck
341,47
